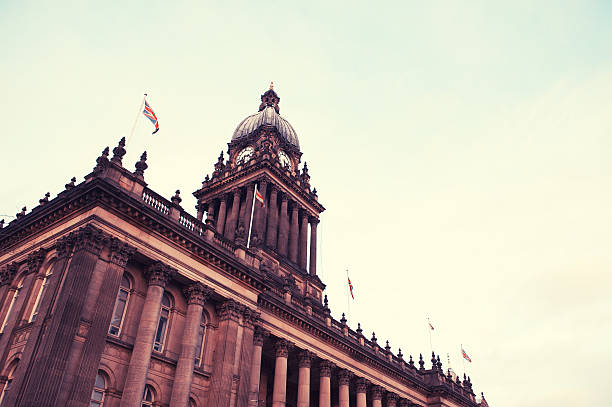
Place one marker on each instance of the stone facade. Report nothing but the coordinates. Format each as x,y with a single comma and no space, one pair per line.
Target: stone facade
113,295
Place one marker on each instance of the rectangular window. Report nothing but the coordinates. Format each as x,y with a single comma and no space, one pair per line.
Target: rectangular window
199,344
115,325
161,331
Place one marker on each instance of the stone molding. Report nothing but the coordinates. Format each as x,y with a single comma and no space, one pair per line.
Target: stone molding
159,274
197,293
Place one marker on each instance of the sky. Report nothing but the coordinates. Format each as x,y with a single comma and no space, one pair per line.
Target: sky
460,150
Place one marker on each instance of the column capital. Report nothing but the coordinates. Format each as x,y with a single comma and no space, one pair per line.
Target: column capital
229,310
274,189
197,293
250,186
8,273
344,376
89,238
391,399
249,317
284,198
262,182
361,385
404,403
325,368
282,347
35,260
377,392
313,220
305,358
120,252
159,274
237,191
259,336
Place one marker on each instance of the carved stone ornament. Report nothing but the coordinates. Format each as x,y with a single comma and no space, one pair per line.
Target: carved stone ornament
89,238
344,377
391,399
63,246
325,368
35,260
119,152
8,273
249,317
282,348
141,165
361,385
229,309
377,392
101,163
305,358
197,293
268,266
404,403
159,274
259,336
241,234
120,252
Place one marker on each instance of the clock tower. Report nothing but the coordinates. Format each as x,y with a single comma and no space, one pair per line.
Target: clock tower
264,157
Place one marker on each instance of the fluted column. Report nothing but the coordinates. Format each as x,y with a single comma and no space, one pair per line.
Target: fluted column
376,396
303,240
303,397
391,399
197,294
283,230
222,214
230,224
272,219
313,245
344,377
361,387
325,368
259,223
294,233
158,276
258,340
279,394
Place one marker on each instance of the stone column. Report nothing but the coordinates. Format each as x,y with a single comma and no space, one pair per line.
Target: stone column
404,403
279,393
303,240
325,368
210,215
222,214
283,230
313,245
344,377
391,399
303,396
221,379
197,294
258,340
158,276
272,219
377,392
259,223
230,224
246,220
294,233
249,319
361,387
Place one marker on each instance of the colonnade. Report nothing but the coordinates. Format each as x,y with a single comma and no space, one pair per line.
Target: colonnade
283,228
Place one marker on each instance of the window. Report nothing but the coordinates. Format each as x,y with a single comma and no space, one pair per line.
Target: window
41,293
200,341
162,326
97,394
13,301
9,378
120,307
192,403
147,397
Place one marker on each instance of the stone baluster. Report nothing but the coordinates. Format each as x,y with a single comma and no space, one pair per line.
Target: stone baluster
158,276
362,388
303,240
294,233
272,219
313,245
283,230
197,294
279,394
230,224
222,214
344,377
325,368
303,397
258,340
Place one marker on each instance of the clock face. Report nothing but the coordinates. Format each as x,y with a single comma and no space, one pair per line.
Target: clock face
284,160
245,155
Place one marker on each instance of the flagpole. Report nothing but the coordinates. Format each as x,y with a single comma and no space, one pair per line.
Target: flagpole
429,330
136,120
251,222
462,359
348,300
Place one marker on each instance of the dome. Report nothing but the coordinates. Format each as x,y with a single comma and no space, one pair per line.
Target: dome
269,117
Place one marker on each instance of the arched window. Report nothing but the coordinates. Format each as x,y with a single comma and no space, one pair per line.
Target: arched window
97,394
200,341
148,396
162,326
9,378
18,288
120,307
192,403
41,293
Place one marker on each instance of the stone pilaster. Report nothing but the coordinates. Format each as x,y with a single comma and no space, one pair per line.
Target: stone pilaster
325,368
305,360
283,230
313,245
231,223
249,319
258,339
197,294
272,219
222,214
294,233
158,276
279,393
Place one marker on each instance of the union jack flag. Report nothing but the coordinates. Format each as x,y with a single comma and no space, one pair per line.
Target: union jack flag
150,114
350,287
465,356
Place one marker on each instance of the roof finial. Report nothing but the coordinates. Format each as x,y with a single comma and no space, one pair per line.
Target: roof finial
272,85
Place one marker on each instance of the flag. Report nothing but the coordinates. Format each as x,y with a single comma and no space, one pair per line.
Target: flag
430,325
350,287
150,114
465,355
259,197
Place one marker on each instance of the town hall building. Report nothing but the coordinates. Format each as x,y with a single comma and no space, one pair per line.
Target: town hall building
112,295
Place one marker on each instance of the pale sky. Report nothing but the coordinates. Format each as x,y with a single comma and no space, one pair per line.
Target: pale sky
459,148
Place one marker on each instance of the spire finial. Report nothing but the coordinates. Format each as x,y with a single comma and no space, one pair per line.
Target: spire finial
272,85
